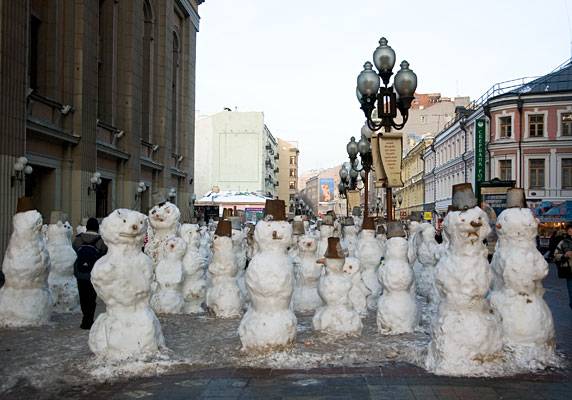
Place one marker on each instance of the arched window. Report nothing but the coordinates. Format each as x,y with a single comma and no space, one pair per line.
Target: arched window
174,94
147,72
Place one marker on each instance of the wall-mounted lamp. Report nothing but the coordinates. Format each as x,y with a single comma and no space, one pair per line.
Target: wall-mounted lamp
21,168
93,182
155,147
119,134
65,110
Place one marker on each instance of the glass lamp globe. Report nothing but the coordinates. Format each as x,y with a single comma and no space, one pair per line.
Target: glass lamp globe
28,169
405,81
363,146
368,81
384,56
352,148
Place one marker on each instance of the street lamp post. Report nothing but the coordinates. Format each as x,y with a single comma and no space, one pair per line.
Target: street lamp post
389,98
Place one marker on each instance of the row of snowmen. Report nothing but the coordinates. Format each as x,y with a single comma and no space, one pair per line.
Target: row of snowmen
476,312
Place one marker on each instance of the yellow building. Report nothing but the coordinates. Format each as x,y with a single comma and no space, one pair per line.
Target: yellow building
287,172
410,197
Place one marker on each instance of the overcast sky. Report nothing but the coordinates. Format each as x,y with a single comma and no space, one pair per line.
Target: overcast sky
297,60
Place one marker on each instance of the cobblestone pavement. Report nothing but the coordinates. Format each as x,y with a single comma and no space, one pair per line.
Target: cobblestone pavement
391,380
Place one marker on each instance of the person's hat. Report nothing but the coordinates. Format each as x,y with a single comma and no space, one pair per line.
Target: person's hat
356,212
334,249
328,219
235,223
368,224
395,229
515,198
463,197
276,209
25,204
158,198
224,228
348,221
298,228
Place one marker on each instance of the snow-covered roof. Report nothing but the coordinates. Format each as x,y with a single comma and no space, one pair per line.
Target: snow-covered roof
230,197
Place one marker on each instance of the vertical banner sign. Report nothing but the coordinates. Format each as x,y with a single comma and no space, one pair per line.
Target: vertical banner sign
480,156
390,150
354,199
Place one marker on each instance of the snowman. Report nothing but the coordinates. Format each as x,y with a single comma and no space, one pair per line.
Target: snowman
25,297
381,236
298,231
527,325
427,252
62,282
350,237
359,292
338,316
466,332
223,293
358,217
396,308
163,224
239,250
194,285
169,275
205,250
326,231
269,322
370,254
81,228
306,297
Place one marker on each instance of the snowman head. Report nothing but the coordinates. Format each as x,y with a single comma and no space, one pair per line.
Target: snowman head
326,231
190,234
273,234
350,231
164,216
27,223
517,224
175,248
396,248
222,244
351,266
124,226
307,244
57,231
470,226
238,236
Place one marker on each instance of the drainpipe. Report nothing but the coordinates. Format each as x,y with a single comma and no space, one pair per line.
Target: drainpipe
519,103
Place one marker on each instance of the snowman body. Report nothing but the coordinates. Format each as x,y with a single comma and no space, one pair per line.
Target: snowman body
194,267
169,275
527,324
25,297
269,321
122,279
223,294
427,252
350,240
205,250
466,332
359,292
62,282
306,297
396,308
163,224
337,317
370,254
239,250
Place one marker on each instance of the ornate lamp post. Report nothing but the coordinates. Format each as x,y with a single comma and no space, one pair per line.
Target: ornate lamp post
389,98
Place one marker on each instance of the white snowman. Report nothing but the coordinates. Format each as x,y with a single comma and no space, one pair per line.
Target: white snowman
25,297
169,275
306,297
466,333
326,231
205,248
427,254
122,279
239,249
350,237
359,292
223,294
62,283
338,316
528,328
380,235
269,322
396,308
163,224
370,253
194,268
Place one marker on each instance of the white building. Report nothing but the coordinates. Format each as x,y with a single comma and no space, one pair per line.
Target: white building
236,152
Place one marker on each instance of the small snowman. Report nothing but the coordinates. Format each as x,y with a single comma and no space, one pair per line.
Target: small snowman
205,247
350,237
326,231
163,224
427,255
298,231
269,321
466,334
62,282
306,297
338,316
25,296
380,235
194,266
359,292
370,254
358,217
122,279
223,293
239,250
527,325
169,275
396,308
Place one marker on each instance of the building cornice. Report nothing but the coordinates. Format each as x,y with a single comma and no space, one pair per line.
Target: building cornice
189,12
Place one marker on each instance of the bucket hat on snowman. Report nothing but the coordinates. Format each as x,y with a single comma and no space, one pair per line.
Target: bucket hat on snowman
25,204
515,198
334,249
298,228
224,228
275,209
368,224
395,229
463,197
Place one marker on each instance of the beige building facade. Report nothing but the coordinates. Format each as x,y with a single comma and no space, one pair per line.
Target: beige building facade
288,154
96,88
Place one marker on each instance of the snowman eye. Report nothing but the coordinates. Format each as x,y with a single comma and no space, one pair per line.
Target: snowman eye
124,221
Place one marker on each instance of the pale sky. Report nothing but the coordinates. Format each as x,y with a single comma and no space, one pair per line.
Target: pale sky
297,60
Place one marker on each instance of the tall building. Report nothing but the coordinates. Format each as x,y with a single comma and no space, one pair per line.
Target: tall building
287,172
96,88
321,191
236,152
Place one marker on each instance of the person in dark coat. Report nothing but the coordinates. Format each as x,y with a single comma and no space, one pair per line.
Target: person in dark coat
89,248
563,259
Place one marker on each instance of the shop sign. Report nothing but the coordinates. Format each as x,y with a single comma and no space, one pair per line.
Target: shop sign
480,155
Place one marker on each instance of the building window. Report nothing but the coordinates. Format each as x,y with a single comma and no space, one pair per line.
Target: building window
505,127
536,125
174,94
292,185
566,123
567,173
536,173
505,170
147,72
33,52
292,160
292,173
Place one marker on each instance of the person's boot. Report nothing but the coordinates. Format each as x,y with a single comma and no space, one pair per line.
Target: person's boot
86,323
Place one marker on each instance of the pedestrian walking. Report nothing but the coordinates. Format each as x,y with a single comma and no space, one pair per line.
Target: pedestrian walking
563,259
89,247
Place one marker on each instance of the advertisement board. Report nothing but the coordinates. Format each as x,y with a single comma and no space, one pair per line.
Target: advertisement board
326,190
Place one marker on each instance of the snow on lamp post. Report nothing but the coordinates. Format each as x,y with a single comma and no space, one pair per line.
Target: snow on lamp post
94,181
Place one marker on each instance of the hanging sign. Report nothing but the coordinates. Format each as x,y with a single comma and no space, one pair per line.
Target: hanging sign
379,173
354,199
390,150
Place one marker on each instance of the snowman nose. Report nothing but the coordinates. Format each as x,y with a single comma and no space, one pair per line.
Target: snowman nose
274,235
134,227
475,224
